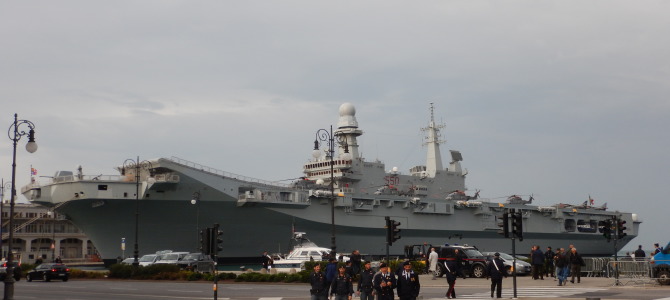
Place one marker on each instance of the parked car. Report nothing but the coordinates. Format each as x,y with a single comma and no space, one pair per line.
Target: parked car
17,270
49,271
148,259
128,261
522,267
171,258
197,262
474,263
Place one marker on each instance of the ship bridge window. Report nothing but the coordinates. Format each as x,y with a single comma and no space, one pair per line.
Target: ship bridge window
570,225
587,226
102,187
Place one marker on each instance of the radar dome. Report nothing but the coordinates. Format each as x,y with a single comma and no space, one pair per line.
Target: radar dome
347,116
347,109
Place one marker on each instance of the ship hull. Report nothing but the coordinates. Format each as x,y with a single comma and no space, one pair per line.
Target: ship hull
248,231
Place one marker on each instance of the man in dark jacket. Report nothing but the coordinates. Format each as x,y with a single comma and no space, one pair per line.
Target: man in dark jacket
365,283
408,283
549,262
341,286
331,272
356,260
537,260
449,271
562,264
384,282
318,289
495,269
460,263
576,263
639,253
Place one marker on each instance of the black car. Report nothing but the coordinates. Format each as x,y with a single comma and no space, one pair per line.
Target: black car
197,262
473,262
49,271
17,271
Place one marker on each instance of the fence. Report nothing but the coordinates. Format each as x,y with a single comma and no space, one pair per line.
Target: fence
630,271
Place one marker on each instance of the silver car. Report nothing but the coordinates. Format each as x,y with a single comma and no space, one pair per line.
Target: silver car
522,267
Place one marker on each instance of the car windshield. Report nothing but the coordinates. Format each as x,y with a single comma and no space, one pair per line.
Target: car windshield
192,257
148,258
506,256
170,257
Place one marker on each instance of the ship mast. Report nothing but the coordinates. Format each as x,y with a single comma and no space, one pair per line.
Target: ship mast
433,157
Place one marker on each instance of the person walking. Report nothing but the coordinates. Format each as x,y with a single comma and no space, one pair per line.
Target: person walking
331,272
408,283
364,288
538,262
549,263
639,253
450,267
356,260
384,282
576,263
432,262
657,249
266,260
318,290
495,269
561,263
460,268
342,287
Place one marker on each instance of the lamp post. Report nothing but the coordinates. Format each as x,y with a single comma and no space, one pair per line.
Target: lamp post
15,135
323,135
196,201
138,166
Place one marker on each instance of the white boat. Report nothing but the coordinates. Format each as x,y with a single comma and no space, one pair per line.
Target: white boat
303,251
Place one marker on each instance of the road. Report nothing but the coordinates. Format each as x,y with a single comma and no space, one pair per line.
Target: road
470,288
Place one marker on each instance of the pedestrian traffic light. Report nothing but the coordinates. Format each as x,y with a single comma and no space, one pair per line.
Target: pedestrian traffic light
517,225
216,243
503,223
206,241
607,229
621,228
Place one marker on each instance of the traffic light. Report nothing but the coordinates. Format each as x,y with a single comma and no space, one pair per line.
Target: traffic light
517,225
504,226
607,229
216,243
621,228
395,231
392,231
206,241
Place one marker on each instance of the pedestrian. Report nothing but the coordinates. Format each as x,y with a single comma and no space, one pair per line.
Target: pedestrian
356,260
58,260
349,269
495,269
384,282
561,263
318,290
657,249
576,263
408,283
342,287
400,268
432,262
331,272
537,260
450,272
460,261
639,253
549,263
364,288
266,260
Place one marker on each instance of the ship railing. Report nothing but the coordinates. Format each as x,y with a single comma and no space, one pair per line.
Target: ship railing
211,170
72,178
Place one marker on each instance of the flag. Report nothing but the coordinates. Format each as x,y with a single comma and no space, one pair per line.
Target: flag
591,200
33,171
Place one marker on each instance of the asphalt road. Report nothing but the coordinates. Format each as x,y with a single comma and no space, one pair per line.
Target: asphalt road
470,288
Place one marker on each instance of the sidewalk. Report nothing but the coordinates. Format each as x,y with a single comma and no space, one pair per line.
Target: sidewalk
527,281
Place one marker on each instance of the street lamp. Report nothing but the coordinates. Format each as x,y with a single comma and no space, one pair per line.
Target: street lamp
15,135
196,201
323,135
138,166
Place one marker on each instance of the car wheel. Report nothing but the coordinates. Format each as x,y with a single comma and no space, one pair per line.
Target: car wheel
45,277
439,272
29,278
65,279
478,271
663,277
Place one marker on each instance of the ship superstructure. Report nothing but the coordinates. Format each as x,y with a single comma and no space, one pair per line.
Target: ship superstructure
430,203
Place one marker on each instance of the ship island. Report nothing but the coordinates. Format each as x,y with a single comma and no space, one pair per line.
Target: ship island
339,195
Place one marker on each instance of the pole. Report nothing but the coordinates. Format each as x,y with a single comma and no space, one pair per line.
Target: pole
215,247
333,246
514,266
137,212
616,255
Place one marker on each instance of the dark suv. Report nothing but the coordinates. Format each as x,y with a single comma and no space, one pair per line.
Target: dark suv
473,262
16,270
197,262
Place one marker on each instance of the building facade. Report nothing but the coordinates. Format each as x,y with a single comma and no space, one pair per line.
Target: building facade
42,234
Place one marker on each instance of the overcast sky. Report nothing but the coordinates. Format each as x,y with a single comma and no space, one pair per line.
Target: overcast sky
560,99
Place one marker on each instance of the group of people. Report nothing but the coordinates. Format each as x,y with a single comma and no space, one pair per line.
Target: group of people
639,254
383,284
560,264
